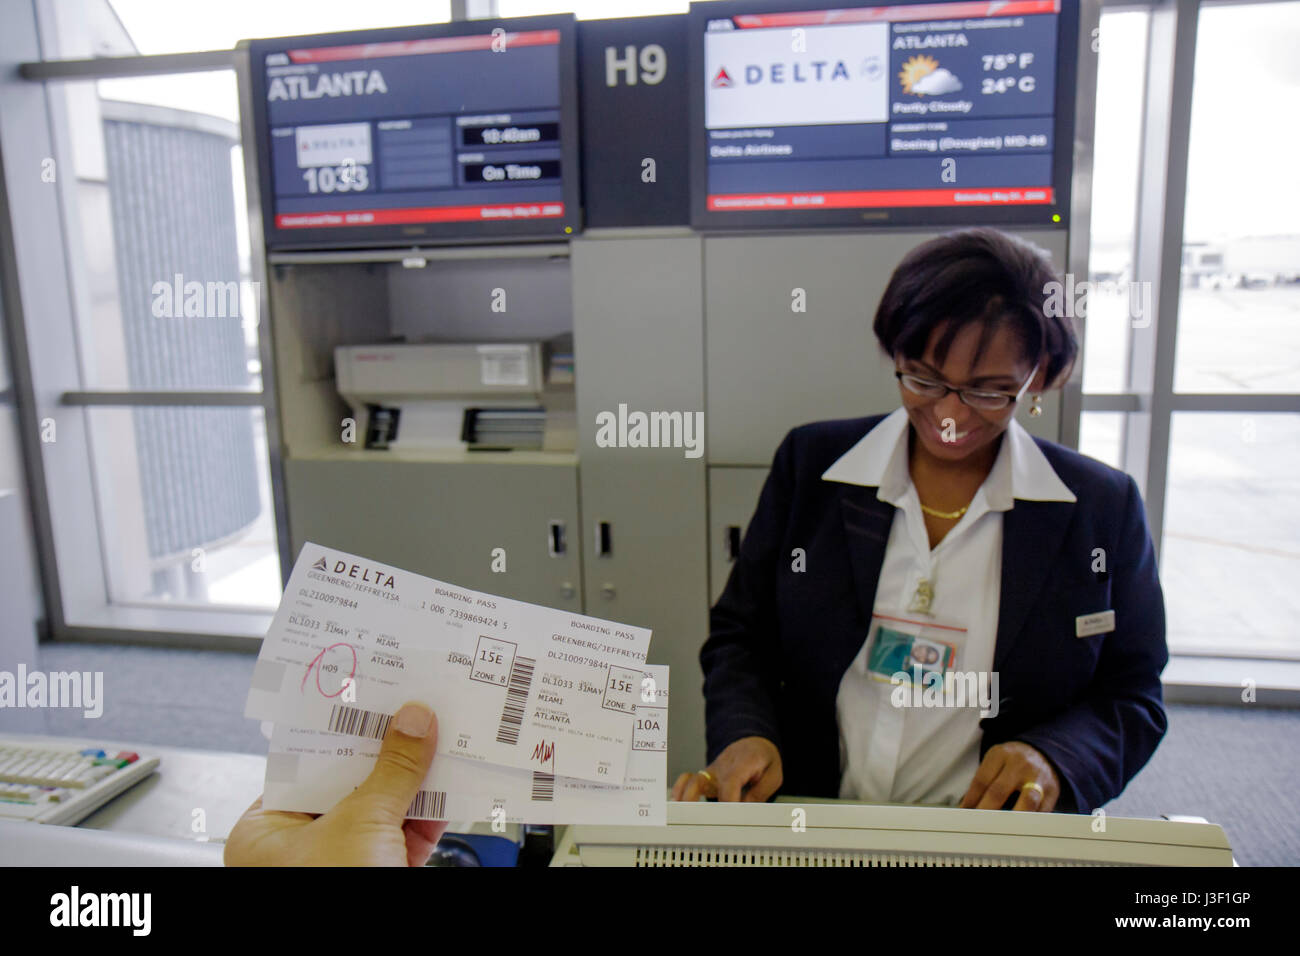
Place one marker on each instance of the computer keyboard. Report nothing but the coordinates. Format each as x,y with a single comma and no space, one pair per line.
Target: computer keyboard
63,784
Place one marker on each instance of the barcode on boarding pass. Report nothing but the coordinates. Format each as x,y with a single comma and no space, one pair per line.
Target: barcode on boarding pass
429,805
512,715
543,786
358,722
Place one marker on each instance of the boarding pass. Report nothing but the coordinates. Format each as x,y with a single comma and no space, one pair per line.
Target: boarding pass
309,771
515,684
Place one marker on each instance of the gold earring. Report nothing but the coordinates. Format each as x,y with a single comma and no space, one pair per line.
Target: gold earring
1036,408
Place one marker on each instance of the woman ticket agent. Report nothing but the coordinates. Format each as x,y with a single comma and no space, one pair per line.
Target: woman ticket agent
934,607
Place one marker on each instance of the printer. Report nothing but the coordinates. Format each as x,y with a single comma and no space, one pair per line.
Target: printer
477,395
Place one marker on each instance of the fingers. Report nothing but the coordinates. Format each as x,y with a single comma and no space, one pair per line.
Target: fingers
1037,770
751,762
421,837
403,762
748,769
734,772
766,785
1030,798
1006,783
680,786
702,786
1007,769
731,782
691,786
988,771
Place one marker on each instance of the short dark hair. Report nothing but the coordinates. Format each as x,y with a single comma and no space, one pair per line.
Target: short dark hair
975,275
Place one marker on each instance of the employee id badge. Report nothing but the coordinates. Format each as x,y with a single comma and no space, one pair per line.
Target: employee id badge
909,649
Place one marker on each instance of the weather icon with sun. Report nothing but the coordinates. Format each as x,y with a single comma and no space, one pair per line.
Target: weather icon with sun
923,76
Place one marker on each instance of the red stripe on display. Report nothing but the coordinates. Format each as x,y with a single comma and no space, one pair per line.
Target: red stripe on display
977,196
386,217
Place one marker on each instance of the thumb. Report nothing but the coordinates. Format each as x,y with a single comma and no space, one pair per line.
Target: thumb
404,760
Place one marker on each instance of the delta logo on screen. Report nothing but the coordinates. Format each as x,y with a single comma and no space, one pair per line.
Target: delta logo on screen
817,71
755,79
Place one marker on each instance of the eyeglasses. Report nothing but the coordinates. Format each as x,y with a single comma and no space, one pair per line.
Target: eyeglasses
983,399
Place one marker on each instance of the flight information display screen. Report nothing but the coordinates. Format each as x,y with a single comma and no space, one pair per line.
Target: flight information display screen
389,137
908,113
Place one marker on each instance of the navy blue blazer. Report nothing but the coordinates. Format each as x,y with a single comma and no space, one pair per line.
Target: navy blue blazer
780,640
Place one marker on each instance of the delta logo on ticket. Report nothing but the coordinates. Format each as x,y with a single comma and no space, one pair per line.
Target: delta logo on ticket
512,683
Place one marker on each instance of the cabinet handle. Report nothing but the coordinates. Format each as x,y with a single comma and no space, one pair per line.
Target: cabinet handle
567,589
604,544
733,542
555,539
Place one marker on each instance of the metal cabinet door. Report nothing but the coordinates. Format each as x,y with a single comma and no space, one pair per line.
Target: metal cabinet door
733,496
445,519
638,340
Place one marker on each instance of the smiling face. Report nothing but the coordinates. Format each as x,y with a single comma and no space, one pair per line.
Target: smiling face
1002,368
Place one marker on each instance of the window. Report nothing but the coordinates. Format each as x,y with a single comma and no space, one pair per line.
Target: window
1232,534
146,358
1237,329
1202,410
1121,71
157,239
1100,436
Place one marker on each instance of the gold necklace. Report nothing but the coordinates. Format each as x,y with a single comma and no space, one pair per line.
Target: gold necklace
946,515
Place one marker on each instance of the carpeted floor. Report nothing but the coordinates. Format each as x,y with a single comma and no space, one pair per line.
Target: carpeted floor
1235,766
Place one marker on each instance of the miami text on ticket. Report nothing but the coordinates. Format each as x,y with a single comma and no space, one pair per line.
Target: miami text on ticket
512,683
309,771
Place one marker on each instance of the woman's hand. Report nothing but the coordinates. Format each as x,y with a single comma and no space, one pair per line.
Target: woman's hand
368,827
748,770
1006,769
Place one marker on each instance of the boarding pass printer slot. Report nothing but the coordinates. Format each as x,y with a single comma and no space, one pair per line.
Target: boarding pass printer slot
461,395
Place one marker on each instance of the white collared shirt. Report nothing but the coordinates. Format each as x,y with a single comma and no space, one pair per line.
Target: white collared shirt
928,755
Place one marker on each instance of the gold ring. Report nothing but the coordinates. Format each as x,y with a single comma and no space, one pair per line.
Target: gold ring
1032,785
705,773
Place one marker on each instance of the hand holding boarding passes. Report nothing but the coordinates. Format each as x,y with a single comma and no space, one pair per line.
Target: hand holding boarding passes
368,827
